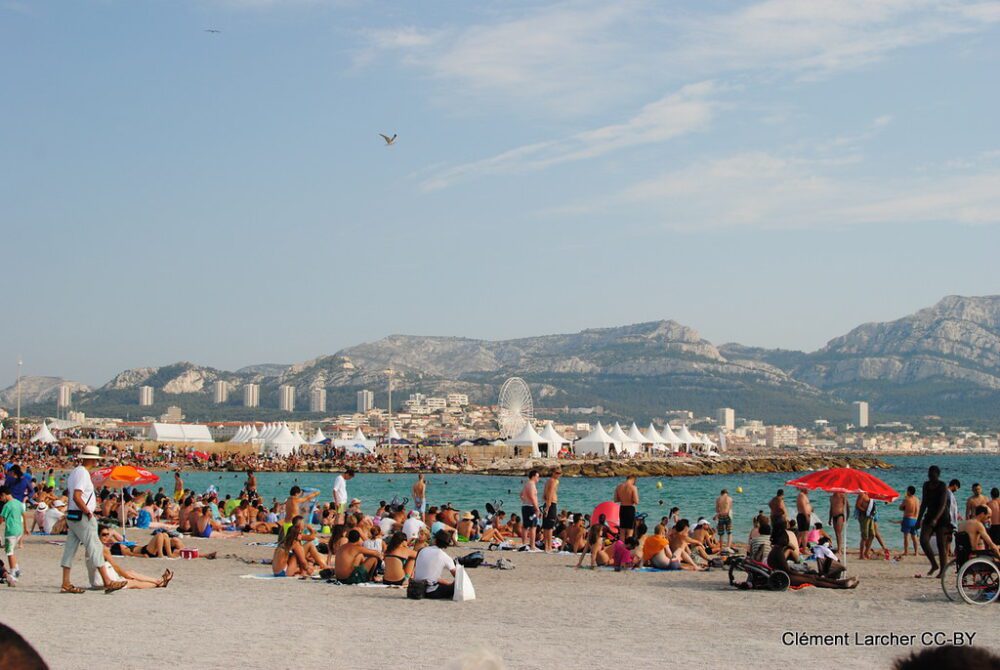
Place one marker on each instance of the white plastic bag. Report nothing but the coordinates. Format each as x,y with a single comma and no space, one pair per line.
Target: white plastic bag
463,586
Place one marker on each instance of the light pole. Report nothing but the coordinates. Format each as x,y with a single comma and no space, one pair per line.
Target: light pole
388,374
17,424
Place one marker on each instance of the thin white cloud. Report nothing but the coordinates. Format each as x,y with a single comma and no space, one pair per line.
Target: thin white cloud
767,190
686,111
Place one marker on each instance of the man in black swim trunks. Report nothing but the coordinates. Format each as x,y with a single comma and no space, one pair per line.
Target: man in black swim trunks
933,518
627,497
550,508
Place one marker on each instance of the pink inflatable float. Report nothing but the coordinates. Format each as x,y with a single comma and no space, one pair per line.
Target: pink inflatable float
610,511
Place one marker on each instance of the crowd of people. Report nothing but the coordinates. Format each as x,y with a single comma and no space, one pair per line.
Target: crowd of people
337,540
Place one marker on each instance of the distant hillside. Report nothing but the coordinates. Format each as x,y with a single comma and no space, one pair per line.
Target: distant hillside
943,360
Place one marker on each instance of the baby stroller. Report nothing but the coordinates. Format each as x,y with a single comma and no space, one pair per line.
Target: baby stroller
759,575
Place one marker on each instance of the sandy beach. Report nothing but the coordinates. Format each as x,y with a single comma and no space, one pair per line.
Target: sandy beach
543,614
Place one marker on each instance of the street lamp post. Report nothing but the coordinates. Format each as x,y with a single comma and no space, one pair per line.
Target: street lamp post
17,424
388,374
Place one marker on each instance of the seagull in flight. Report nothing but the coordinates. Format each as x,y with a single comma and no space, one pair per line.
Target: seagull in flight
389,141
212,30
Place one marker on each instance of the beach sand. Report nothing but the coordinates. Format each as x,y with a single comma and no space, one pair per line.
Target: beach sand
543,614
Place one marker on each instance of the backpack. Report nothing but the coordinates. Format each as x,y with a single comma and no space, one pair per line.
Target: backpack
473,560
416,589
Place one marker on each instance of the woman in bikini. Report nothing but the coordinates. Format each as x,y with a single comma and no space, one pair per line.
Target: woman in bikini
289,559
595,548
157,547
399,560
134,580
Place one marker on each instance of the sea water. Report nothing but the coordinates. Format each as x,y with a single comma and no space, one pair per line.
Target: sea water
695,496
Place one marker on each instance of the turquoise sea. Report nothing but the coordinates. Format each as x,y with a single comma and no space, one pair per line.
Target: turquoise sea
694,495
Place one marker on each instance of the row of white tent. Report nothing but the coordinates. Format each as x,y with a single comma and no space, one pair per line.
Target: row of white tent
278,439
601,442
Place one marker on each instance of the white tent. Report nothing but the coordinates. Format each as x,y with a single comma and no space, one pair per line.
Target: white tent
357,444
655,439
637,436
553,438
319,437
596,441
298,436
627,444
44,435
283,442
528,437
179,432
685,436
393,435
670,438
270,430
359,436
253,432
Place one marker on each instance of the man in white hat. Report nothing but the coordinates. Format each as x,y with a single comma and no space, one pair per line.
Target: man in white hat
82,524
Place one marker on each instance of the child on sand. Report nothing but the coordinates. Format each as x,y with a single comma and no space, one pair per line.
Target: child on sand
13,518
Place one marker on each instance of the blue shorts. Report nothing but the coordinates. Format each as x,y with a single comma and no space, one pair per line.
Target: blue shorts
909,526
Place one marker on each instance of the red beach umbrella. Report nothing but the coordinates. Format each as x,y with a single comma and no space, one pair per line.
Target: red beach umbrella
846,480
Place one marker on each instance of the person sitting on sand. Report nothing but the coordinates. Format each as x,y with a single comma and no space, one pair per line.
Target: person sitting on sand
703,533
623,554
782,551
355,564
399,560
826,561
289,558
205,525
412,526
575,536
595,548
466,529
656,551
681,543
157,547
760,544
431,562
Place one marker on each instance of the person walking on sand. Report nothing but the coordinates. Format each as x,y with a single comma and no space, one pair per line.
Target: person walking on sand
530,511
911,508
933,517
627,497
420,494
838,516
550,511
724,517
82,524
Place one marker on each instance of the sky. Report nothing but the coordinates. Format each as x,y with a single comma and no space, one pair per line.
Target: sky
772,173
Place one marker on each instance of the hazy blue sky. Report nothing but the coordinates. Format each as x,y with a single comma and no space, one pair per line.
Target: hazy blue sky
772,173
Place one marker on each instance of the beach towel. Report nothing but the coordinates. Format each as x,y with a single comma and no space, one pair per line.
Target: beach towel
267,575
610,568
262,544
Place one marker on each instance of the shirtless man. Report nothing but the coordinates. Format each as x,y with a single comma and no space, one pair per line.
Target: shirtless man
679,541
975,500
178,485
294,502
911,508
838,516
530,511
251,484
979,538
627,497
777,505
355,564
994,505
550,511
724,517
419,491
804,510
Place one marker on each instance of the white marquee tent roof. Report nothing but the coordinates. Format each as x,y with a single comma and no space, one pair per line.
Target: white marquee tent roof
636,435
44,435
685,436
179,432
653,437
618,435
552,436
670,437
318,437
596,441
283,443
393,435
528,436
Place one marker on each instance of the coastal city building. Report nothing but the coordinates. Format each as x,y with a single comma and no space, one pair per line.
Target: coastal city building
726,418
221,392
366,401
317,400
779,437
286,398
457,399
251,395
145,396
860,414
65,400
172,415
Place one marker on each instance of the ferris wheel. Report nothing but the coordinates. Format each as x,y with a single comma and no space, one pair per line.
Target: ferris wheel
515,407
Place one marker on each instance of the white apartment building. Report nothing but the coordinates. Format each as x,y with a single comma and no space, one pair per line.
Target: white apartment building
726,418
366,401
65,400
317,400
436,404
457,399
145,396
860,414
776,437
251,395
221,392
286,398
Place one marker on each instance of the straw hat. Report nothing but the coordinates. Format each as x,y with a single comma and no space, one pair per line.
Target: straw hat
42,507
91,452
467,516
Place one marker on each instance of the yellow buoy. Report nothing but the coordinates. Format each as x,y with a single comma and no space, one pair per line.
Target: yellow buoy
739,489
659,485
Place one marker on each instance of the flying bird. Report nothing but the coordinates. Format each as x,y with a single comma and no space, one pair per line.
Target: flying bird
212,30
389,141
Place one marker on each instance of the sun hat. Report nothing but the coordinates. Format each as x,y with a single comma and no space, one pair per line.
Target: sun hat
467,516
59,503
91,452
42,507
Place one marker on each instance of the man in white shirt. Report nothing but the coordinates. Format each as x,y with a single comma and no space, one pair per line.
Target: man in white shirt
82,524
340,491
413,525
431,562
